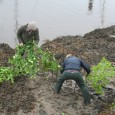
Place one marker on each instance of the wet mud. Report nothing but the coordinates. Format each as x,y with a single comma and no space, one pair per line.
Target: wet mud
36,97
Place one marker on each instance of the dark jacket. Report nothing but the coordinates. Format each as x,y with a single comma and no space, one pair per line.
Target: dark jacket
74,63
26,36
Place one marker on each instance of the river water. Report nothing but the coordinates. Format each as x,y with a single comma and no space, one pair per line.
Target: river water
54,18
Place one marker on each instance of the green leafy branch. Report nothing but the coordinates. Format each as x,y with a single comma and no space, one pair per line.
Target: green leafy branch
101,74
28,60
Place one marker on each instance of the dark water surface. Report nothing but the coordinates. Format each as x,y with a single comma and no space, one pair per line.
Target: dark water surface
54,18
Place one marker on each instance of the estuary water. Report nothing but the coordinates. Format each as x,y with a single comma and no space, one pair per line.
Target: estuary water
54,18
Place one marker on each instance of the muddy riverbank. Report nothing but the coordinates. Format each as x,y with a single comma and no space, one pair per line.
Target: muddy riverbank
36,97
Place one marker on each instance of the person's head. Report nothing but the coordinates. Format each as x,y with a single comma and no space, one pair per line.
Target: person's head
31,26
68,55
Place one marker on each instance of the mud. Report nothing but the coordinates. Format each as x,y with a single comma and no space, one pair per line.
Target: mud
90,47
36,96
5,53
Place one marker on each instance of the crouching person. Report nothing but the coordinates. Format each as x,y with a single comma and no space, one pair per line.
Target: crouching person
71,70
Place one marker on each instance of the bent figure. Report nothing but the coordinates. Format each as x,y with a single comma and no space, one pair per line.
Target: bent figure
71,70
28,33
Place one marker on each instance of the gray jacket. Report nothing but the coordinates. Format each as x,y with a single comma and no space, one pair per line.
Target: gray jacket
26,36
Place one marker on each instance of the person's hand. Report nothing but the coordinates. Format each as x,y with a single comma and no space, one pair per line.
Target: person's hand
21,44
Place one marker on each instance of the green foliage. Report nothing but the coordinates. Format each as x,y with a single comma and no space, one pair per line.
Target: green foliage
101,74
28,63
112,106
48,62
6,73
62,113
33,61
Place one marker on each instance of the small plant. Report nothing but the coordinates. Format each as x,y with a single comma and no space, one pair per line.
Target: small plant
112,106
6,74
62,113
101,74
28,60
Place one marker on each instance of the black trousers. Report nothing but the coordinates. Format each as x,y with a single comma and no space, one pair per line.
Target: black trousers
77,76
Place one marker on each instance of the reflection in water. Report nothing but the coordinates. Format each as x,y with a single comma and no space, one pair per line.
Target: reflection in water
16,19
90,6
102,8
103,12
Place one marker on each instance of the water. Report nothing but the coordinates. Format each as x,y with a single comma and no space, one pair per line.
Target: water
54,18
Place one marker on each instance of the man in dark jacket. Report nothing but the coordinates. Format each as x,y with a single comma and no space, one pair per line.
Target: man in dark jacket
28,33
71,70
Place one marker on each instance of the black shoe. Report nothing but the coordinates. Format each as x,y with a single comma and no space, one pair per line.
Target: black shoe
87,102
